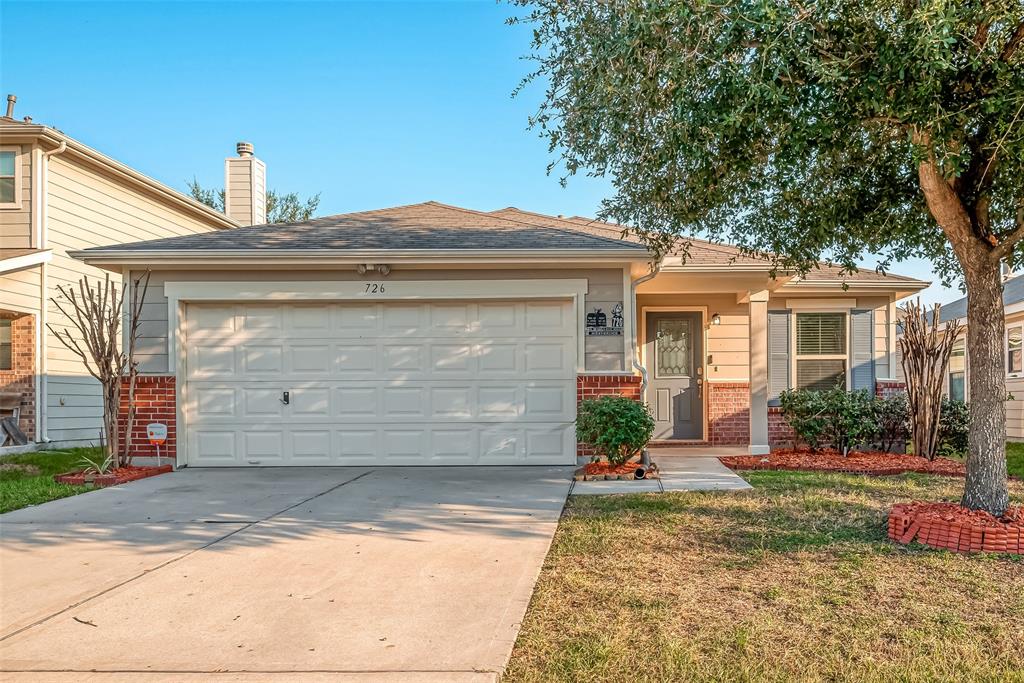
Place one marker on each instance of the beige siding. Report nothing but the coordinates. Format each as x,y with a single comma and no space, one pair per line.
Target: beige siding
86,209
16,223
727,345
603,354
19,290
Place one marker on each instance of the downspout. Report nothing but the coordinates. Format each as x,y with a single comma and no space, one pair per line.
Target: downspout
42,394
645,459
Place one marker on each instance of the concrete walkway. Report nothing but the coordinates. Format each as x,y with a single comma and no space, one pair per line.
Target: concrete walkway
689,469
286,574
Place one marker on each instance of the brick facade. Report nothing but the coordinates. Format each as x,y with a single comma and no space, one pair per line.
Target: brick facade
154,402
780,434
728,413
21,378
887,388
594,386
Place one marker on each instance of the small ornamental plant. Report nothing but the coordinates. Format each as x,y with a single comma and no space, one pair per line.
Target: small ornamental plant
618,428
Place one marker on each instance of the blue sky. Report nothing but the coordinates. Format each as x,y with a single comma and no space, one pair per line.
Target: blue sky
372,104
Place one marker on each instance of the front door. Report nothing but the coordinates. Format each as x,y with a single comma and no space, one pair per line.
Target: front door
675,374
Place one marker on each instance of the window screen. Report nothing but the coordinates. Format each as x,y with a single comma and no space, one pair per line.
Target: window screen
820,334
7,189
5,345
1013,349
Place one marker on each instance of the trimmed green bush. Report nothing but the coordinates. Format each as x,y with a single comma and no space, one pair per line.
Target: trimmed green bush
954,421
845,420
618,428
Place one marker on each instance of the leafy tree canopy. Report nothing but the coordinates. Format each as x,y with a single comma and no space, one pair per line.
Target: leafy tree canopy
787,127
281,208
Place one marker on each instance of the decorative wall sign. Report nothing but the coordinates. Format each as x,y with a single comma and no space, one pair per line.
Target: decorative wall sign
601,324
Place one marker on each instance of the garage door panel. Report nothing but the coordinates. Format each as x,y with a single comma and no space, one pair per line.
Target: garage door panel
381,383
491,401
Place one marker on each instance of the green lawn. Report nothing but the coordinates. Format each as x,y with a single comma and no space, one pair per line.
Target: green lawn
33,483
1015,459
793,581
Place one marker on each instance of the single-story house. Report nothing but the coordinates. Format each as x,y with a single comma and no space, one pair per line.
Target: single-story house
956,382
59,195
430,334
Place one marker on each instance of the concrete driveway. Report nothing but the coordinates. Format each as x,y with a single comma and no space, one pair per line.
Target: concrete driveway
404,574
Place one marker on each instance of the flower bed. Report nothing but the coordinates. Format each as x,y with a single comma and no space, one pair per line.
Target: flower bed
120,475
858,462
602,470
949,526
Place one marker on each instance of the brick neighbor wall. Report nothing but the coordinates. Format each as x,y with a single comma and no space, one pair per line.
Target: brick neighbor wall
728,413
21,378
154,402
887,388
594,386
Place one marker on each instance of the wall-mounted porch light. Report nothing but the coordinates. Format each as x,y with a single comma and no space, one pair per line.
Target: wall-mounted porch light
716,319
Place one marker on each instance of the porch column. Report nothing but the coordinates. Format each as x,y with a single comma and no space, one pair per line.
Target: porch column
758,372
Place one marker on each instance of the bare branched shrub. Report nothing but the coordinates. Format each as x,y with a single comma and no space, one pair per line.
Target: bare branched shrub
926,346
94,312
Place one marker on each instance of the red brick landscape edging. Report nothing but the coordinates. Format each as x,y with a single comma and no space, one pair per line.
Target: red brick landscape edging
951,527
121,476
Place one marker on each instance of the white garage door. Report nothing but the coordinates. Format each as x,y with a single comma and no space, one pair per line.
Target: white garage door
424,383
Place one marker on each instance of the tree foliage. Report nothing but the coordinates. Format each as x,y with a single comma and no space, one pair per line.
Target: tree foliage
789,128
281,208
808,130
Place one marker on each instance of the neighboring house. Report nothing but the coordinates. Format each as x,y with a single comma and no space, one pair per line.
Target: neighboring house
433,334
58,195
1013,345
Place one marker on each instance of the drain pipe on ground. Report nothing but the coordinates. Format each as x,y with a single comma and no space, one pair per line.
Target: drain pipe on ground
645,459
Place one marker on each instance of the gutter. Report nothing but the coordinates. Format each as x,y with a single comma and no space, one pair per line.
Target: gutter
43,333
645,457
348,256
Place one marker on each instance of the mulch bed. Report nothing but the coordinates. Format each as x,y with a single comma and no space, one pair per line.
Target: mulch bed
603,470
119,475
875,463
951,527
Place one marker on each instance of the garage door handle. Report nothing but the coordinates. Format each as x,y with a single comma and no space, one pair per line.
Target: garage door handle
284,398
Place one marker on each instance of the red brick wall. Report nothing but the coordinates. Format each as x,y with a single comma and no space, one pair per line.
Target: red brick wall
21,378
154,402
594,386
886,388
728,413
780,434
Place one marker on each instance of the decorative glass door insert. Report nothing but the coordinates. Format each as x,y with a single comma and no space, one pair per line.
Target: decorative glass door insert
673,348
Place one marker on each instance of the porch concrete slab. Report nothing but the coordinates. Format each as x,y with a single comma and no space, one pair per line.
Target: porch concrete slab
690,472
411,574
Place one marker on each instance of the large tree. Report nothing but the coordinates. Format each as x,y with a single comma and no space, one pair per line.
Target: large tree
806,130
281,208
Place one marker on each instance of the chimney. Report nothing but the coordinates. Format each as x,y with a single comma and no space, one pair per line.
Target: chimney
11,99
245,187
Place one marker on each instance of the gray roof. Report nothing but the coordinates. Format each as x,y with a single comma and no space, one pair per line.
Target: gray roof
426,226
1013,293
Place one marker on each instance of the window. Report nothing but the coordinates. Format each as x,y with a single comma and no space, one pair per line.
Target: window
9,177
1013,349
957,371
820,350
6,362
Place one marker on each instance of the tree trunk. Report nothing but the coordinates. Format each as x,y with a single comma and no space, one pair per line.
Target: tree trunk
985,488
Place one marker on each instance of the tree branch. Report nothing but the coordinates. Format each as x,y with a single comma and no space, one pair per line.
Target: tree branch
1006,244
1012,44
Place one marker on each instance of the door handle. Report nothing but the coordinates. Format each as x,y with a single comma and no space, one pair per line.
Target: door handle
700,388
285,399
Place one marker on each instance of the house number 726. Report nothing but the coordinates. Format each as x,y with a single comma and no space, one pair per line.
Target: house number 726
374,288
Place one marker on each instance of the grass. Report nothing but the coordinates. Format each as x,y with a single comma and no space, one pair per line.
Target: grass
793,581
1015,459
34,485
